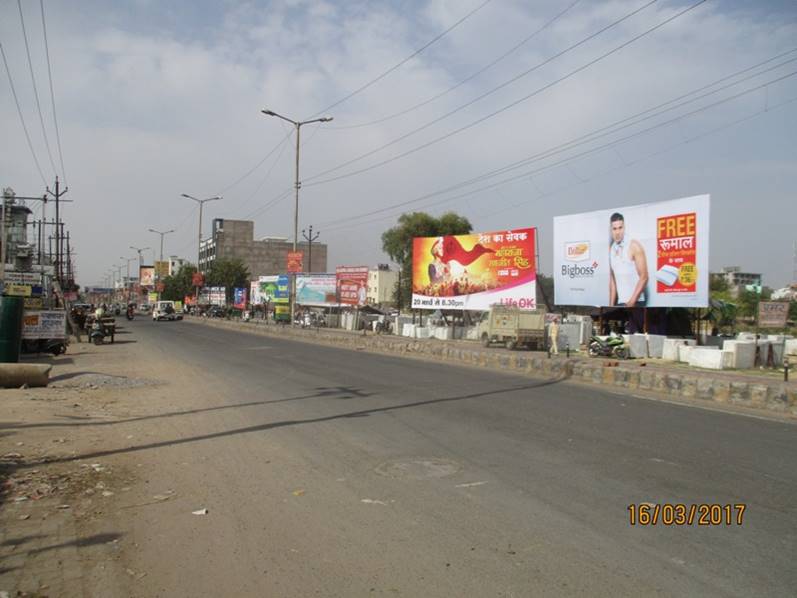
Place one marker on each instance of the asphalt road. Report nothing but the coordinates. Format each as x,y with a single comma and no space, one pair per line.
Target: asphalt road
341,473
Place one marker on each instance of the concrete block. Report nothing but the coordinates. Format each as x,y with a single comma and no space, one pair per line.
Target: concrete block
569,333
638,345
442,333
777,352
743,353
472,333
684,351
791,347
408,330
669,350
14,375
745,336
422,332
710,358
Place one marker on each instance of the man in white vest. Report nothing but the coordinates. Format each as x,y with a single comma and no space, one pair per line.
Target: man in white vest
628,267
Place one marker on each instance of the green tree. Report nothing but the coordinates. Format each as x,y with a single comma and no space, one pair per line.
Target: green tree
793,311
176,287
397,243
228,273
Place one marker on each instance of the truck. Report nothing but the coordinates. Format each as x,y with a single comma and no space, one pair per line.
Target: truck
164,310
513,327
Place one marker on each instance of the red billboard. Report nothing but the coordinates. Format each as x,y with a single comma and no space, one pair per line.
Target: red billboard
352,284
295,261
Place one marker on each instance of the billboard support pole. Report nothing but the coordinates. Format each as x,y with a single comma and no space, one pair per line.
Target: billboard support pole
537,268
645,320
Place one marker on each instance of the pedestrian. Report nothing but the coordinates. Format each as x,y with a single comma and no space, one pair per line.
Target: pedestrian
553,336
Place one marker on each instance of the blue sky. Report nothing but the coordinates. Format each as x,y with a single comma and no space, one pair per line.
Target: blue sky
157,99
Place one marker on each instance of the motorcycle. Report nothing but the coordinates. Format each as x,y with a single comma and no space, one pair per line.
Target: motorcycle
129,313
614,346
44,345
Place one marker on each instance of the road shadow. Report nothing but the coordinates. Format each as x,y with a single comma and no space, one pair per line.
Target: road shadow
332,392
300,422
118,342
80,542
22,540
46,358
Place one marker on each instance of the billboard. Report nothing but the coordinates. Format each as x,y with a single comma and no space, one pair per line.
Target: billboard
351,284
44,324
295,261
475,271
161,269
270,289
239,298
773,314
316,289
146,276
650,255
213,296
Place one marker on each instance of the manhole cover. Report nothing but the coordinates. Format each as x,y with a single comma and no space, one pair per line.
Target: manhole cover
418,469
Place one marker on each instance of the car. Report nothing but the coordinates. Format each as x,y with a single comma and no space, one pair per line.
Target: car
164,310
216,311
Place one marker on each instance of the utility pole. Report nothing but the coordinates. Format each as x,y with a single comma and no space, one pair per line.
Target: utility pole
58,237
297,184
310,240
157,270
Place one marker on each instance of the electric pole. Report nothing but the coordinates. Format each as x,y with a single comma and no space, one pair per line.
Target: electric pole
310,238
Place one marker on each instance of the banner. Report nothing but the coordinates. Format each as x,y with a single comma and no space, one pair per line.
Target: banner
161,269
213,296
651,255
352,284
475,271
270,289
44,324
146,276
295,261
152,297
316,289
197,279
239,298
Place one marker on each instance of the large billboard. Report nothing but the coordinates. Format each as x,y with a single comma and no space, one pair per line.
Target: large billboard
146,276
315,289
352,284
270,289
651,255
475,271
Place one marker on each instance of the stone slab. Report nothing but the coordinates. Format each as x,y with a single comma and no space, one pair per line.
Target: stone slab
743,353
669,350
710,358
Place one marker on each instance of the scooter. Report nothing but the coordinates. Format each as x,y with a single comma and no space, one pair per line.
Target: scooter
614,346
44,345
129,313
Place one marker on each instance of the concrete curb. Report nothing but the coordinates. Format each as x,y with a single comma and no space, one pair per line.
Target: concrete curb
762,395
14,375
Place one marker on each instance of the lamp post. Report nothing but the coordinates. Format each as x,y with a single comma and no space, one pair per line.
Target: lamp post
139,250
201,203
129,284
297,184
157,271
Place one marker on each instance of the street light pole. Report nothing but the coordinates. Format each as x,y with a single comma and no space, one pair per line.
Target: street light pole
139,250
157,270
201,203
298,124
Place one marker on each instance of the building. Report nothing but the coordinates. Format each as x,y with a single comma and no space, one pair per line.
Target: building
176,264
381,285
263,257
738,280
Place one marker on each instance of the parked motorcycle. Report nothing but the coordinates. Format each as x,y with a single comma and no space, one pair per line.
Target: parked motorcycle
129,314
97,333
44,345
614,346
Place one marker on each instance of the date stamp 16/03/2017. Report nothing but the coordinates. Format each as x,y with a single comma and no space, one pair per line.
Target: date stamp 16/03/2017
682,514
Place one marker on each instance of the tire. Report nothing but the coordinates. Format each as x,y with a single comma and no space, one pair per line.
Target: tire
97,340
594,350
485,340
620,352
511,344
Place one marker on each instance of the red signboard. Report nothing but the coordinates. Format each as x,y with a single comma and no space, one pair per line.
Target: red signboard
198,279
352,284
295,261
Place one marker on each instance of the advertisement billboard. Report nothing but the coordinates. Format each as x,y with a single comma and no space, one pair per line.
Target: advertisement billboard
44,324
213,296
239,298
650,255
270,289
161,269
773,314
352,284
146,276
295,261
475,271
316,289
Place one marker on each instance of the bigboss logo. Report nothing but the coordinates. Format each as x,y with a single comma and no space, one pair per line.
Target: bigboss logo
578,251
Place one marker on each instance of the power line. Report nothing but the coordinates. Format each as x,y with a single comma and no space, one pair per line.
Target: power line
550,153
21,117
404,61
268,174
35,88
470,77
52,93
473,101
256,166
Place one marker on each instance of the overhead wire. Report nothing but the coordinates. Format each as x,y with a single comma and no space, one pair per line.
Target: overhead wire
52,93
402,62
268,174
491,114
527,174
255,167
22,117
460,83
35,88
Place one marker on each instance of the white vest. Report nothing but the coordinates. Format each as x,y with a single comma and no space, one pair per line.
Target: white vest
626,276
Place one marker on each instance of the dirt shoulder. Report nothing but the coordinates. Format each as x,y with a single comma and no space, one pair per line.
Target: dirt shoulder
66,497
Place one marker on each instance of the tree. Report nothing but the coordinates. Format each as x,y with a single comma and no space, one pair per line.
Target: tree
180,285
793,311
228,273
397,243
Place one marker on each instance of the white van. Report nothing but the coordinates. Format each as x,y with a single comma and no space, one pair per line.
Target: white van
164,310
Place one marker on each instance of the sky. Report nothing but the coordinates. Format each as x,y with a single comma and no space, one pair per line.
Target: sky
157,99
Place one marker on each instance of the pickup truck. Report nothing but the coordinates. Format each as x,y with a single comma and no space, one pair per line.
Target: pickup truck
513,327
164,310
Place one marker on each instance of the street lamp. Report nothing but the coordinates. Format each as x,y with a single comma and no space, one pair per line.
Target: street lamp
162,234
297,184
129,284
201,203
139,250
